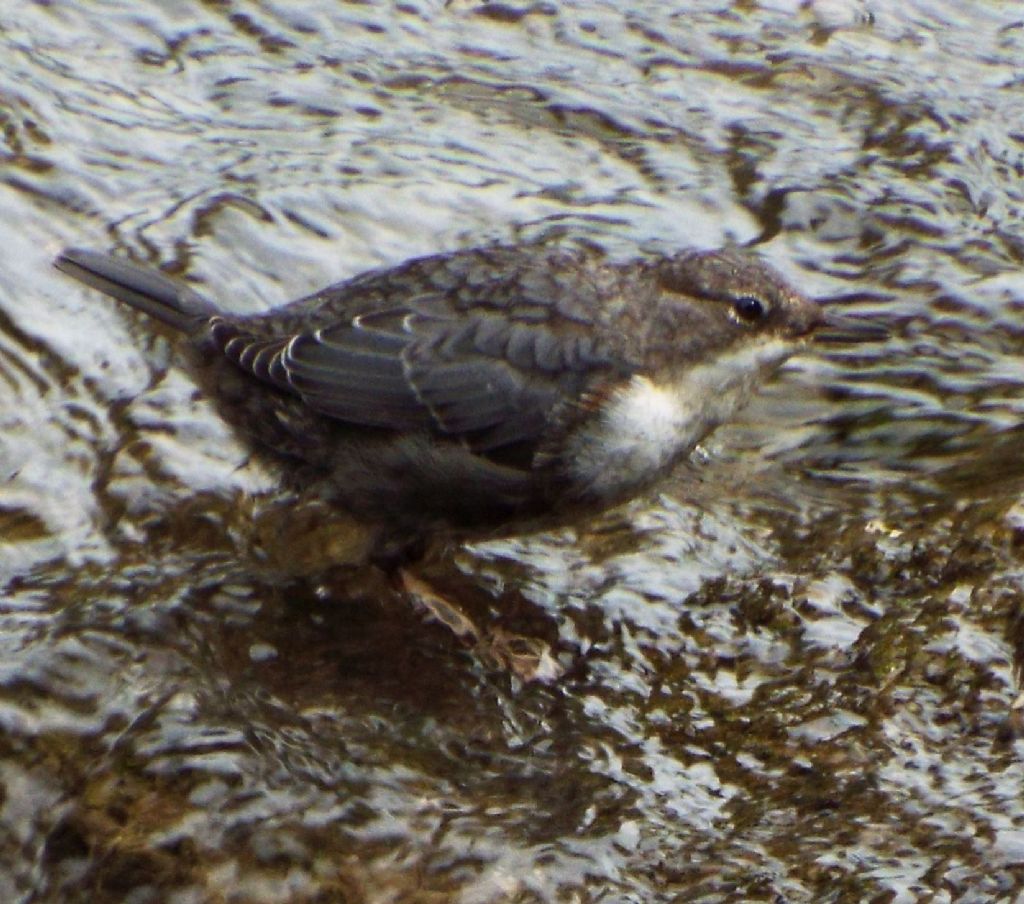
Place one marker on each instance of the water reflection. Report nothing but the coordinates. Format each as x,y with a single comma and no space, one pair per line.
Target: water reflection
789,678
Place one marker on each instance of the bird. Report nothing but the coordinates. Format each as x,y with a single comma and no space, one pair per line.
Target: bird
487,391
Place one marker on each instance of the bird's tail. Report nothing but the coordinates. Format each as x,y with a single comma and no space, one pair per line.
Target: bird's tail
144,288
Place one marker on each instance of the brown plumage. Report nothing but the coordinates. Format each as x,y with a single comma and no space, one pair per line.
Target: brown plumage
487,389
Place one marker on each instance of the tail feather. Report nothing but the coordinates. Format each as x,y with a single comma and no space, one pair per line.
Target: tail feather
143,288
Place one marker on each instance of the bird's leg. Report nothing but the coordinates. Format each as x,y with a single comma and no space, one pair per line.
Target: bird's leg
436,607
529,658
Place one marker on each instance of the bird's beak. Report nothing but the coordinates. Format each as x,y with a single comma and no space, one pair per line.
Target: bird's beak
840,328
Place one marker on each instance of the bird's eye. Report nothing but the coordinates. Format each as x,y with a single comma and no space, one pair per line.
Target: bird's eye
749,309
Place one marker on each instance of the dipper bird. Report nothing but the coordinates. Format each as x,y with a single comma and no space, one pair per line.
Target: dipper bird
489,390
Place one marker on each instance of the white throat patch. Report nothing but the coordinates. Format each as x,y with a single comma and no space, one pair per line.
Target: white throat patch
646,427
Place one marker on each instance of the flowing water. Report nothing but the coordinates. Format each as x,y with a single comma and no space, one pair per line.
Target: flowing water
789,678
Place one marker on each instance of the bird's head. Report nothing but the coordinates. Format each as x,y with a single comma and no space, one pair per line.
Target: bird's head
731,305
723,322
717,302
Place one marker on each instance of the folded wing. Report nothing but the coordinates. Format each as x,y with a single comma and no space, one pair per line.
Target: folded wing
485,378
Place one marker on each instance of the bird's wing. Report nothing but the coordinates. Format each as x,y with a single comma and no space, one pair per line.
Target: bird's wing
482,376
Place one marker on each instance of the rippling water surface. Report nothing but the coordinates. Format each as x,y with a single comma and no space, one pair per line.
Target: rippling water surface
791,677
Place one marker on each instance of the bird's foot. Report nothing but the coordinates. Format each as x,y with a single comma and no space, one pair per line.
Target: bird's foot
528,658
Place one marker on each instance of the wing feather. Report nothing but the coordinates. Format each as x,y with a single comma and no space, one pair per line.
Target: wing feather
355,375
480,375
